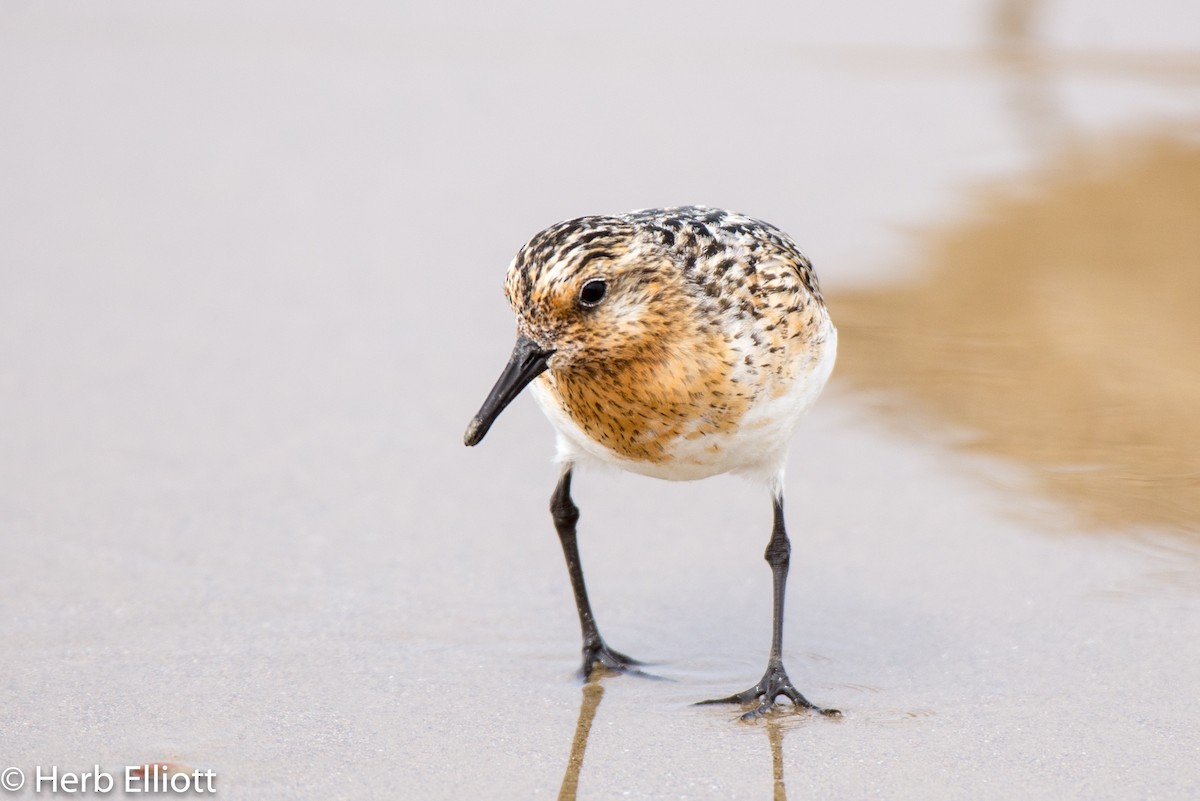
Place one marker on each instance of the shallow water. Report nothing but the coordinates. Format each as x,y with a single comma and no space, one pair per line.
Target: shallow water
251,260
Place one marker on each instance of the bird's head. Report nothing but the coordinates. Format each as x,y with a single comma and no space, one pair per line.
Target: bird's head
586,292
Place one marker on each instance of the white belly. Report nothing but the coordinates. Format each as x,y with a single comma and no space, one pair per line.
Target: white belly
758,448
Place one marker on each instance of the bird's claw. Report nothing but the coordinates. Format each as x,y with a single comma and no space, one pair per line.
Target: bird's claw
597,655
774,683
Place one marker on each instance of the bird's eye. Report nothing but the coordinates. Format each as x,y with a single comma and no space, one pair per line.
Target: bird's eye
593,292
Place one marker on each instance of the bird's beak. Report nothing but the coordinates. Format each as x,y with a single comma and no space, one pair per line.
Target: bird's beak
527,362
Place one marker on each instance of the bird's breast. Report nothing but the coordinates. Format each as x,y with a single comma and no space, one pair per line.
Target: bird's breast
641,410
693,411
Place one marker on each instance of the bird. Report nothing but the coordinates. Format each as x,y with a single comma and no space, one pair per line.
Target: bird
678,343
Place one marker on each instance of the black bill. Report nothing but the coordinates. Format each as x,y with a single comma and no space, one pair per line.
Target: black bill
527,362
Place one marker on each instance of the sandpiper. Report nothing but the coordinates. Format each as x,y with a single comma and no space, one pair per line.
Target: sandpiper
678,343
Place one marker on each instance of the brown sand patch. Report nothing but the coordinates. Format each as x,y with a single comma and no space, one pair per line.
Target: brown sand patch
1062,324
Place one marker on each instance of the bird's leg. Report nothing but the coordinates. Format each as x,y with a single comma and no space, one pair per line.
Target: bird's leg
775,681
595,652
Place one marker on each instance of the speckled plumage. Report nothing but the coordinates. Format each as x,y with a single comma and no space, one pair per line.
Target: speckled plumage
711,343
679,343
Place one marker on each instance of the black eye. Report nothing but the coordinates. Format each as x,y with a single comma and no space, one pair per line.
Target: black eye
593,292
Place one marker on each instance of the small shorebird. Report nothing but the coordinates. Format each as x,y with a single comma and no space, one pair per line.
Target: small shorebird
678,343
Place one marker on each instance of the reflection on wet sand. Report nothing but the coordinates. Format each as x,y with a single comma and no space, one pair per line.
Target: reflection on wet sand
1028,71
775,738
593,691
1060,324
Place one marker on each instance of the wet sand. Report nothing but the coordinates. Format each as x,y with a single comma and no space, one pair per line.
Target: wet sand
1057,329
252,262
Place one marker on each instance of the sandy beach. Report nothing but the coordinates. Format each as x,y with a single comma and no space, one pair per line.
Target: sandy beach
251,267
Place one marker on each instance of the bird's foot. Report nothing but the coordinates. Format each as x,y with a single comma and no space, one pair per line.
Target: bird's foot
597,655
774,683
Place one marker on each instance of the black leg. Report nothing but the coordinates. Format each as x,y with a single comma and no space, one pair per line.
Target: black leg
775,681
595,651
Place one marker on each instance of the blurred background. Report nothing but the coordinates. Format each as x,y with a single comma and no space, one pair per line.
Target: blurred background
251,261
